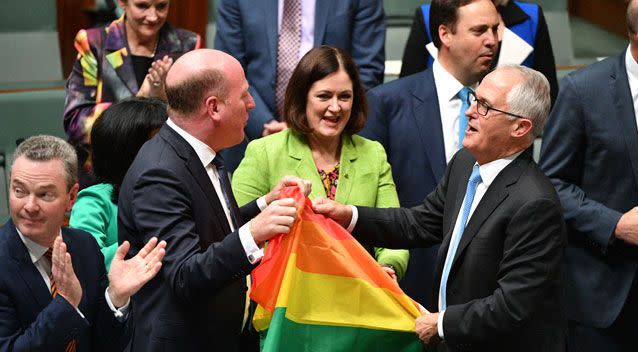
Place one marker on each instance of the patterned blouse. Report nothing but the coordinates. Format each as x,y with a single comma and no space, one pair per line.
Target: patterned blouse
330,181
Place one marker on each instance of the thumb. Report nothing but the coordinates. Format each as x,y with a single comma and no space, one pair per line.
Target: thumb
122,250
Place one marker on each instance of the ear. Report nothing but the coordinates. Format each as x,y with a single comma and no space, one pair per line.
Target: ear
445,34
73,196
121,4
213,107
521,128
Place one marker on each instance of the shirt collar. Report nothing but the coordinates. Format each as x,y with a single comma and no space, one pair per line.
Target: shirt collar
203,151
631,65
490,170
447,86
35,250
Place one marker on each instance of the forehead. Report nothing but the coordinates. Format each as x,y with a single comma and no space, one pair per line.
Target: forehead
34,172
481,12
336,80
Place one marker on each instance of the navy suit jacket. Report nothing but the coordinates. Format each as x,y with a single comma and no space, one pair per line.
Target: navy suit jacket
247,30
31,320
404,117
590,153
197,300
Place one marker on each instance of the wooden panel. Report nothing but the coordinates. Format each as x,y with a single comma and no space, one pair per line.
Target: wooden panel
608,14
71,18
191,15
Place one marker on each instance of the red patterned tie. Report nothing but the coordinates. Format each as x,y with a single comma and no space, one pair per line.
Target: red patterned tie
54,292
287,49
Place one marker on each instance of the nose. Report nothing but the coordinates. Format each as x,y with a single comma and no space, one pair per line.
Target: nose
151,14
31,206
334,105
251,102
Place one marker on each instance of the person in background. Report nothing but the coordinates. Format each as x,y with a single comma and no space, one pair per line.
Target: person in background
270,37
523,36
325,106
115,140
590,153
129,57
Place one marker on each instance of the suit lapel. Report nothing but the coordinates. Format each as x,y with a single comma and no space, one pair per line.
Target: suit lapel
623,102
197,170
347,171
117,54
270,8
302,163
26,270
495,195
427,117
322,9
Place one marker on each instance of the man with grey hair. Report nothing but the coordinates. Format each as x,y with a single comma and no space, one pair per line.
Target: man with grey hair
53,284
178,189
590,153
499,223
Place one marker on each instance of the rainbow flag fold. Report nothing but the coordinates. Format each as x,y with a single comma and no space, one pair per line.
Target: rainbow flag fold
318,289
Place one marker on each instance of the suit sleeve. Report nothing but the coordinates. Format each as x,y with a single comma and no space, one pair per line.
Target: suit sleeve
387,198
376,127
163,208
415,55
562,159
51,331
230,39
532,250
82,88
544,55
368,42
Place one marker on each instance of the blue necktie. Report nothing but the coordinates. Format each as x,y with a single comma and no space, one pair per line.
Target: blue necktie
475,179
463,93
227,191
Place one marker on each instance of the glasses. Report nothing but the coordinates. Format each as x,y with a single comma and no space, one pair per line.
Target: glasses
483,108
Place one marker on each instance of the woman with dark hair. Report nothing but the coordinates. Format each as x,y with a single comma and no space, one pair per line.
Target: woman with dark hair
116,138
325,105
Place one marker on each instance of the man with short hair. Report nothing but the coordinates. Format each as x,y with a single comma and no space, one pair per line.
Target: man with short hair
53,284
499,222
590,153
178,190
420,119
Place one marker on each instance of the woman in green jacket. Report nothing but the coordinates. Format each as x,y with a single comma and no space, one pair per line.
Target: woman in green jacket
325,105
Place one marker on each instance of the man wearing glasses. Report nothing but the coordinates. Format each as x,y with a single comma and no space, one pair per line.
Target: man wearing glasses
420,119
499,222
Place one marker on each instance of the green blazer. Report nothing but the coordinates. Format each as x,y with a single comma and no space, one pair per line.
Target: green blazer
365,177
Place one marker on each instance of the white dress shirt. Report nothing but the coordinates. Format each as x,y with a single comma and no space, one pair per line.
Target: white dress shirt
307,24
632,74
488,173
43,265
447,89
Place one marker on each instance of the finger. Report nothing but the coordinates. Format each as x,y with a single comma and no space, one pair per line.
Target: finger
121,251
147,248
422,309
287,221
157,253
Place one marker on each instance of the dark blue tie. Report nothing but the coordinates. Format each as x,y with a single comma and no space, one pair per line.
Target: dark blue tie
227,191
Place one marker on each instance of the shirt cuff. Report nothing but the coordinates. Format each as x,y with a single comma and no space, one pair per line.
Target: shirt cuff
120,313
439,325
355,217
253,252
261,203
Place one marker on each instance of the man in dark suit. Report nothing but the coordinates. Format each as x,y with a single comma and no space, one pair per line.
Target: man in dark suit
53,284
177,189
251,31
420,119
590,153
499,222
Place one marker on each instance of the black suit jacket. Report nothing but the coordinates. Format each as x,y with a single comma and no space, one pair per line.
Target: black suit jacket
197,300
504,288
590,153
31,320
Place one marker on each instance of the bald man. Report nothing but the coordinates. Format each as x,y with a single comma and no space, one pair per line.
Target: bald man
177,189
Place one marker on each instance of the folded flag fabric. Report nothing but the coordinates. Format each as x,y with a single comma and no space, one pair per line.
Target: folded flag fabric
318,289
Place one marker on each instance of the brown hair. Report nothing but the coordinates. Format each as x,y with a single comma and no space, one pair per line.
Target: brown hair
186,96
314,66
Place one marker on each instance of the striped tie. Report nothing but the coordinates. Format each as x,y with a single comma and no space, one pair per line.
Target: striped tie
54,292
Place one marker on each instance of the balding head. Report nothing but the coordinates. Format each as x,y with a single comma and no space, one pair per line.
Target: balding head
197,74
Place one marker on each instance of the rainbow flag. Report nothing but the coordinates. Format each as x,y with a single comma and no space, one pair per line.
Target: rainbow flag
318,289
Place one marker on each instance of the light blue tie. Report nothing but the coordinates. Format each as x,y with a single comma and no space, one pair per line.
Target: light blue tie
462,94
475,179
